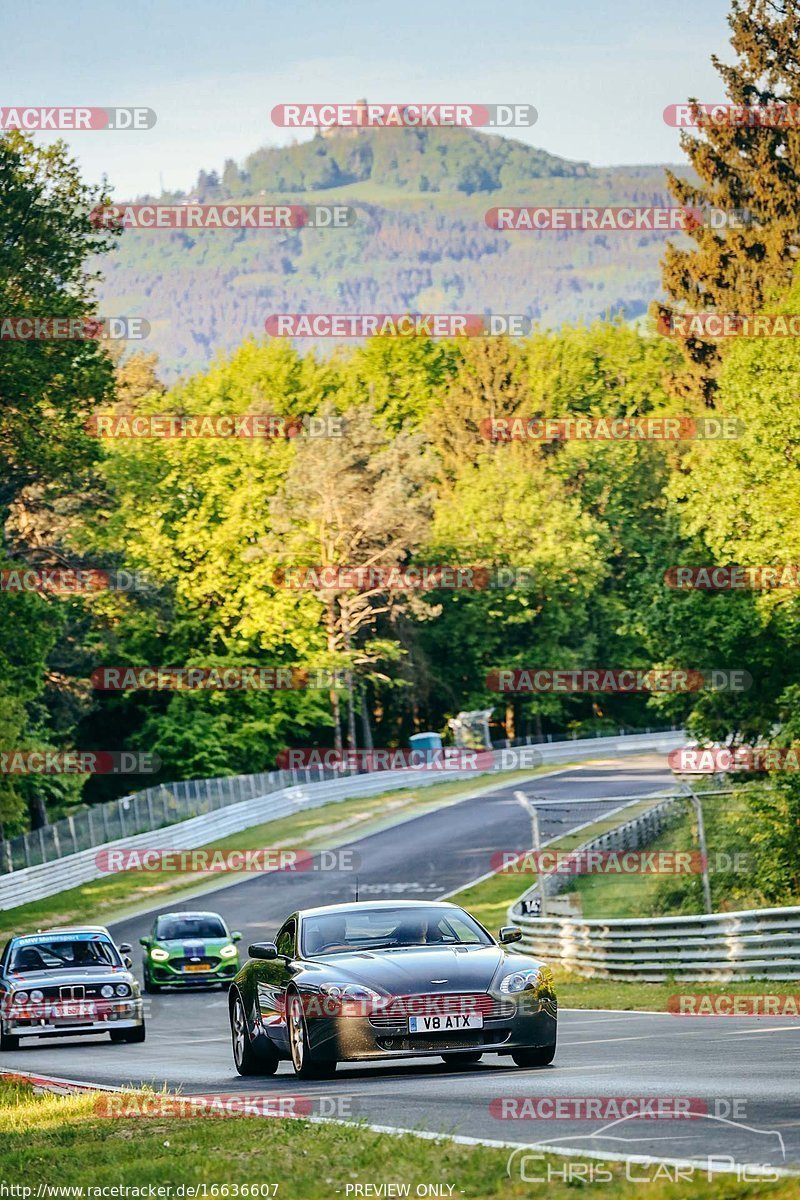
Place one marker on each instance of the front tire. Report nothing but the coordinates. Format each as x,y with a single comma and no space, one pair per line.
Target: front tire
7,1041
248,1060
463,1060
536,1056
151,988
136,1035
306,1064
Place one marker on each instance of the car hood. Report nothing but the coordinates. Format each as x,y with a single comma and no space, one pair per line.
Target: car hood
28,980
414,970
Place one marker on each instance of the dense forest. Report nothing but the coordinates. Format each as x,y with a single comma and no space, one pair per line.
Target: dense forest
586,531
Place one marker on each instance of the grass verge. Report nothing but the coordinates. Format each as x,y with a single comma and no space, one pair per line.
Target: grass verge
489,901
61,1141
114,897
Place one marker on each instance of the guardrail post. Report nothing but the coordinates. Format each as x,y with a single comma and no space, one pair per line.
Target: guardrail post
701,837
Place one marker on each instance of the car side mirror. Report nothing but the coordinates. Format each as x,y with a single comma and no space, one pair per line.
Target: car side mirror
263,950
510,933
143,941
128,962
125,948
236,937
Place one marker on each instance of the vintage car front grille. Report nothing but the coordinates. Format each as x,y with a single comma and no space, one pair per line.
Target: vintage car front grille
397,1011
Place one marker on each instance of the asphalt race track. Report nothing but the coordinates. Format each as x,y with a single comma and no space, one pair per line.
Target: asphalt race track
741,1075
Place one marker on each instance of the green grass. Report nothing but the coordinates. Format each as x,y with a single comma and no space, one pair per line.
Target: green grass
645,895
605,896
114,897
489,900
60,1140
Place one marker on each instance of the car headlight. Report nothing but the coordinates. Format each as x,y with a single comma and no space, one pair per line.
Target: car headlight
349,991
518,981
107,991
37,996
228,952
159,955
122,989
19,998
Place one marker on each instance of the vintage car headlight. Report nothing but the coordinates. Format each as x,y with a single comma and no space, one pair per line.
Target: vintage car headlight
122,989
518,981
19,998
159,955
228,952
37,996
107,991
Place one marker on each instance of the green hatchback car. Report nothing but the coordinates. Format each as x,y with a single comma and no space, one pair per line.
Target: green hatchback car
185,949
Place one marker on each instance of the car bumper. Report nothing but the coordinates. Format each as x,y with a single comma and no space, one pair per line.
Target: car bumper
166,976
357,1038
126,1015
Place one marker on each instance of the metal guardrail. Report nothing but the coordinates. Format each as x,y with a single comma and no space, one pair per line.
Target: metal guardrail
167,804
629,835
755,943
47,879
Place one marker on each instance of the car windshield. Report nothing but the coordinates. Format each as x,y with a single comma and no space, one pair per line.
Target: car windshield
64,954
389,929
174,929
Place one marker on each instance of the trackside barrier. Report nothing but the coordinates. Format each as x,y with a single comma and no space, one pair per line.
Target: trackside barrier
630,835
755,943
71,870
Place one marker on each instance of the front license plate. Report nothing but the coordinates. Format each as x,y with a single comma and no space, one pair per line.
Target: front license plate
81,1010
195,967
446,1023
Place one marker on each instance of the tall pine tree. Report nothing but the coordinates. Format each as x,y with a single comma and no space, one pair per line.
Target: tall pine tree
750,166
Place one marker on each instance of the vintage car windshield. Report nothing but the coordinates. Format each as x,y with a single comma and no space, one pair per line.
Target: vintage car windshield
172,929
64,954
389,929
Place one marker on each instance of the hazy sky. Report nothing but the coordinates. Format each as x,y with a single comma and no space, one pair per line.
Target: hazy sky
600,72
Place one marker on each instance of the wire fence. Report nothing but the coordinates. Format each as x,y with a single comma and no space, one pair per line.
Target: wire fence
168,804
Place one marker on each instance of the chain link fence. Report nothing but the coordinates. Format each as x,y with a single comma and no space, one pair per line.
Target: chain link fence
167,804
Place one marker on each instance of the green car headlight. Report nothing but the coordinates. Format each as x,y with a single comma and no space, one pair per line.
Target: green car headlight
159,955
228,952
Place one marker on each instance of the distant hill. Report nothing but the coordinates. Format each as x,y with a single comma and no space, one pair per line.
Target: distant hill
421,242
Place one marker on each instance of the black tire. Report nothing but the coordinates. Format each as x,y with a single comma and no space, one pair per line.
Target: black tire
246,1059
536,1056
306,1064
7,1041
463,1059
151,988
135,1035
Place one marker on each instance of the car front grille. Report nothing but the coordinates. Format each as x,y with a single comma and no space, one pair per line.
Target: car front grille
397,1010
206,962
